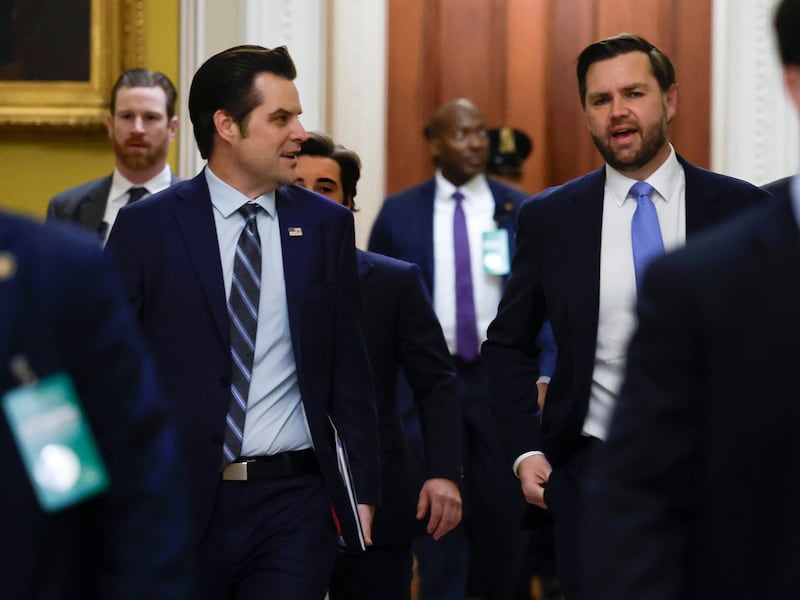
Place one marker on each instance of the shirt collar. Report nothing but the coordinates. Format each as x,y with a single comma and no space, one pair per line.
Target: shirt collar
227,200
665,180
473,187
120,184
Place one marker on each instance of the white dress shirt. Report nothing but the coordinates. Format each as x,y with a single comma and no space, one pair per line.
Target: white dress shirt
617,314
479,209
118,194
276,419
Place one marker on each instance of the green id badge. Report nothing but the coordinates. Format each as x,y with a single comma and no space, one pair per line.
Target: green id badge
495,252
55,441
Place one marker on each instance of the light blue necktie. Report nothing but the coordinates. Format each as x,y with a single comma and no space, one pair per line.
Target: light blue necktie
243,313
645,231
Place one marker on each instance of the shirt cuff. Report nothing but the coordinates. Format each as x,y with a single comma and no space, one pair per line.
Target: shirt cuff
522,457
543,379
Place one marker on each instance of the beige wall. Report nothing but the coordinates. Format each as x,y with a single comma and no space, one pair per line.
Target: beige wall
33,169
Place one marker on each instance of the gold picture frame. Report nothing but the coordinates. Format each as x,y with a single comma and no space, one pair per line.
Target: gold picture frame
116,43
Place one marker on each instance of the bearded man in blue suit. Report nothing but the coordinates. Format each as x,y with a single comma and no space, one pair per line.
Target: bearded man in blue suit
581,249
247,289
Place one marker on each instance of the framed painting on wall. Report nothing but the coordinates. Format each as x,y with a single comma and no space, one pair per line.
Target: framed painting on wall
60,58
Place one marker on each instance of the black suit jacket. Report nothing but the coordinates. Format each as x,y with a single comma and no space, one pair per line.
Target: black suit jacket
85,204
696,494
62,309
167,252
555,276
402,332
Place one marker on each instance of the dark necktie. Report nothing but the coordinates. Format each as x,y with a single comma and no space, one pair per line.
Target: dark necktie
243,313
646,238
136,193
466,327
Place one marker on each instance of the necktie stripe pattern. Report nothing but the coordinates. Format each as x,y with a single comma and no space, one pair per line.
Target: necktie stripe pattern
466,326
646,239
136,193
243,313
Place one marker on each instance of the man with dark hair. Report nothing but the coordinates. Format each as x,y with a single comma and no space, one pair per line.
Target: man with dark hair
247,290
141,125
582,248
402,332
459,228
696,494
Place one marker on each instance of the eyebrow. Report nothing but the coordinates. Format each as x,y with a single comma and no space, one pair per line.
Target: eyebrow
326,180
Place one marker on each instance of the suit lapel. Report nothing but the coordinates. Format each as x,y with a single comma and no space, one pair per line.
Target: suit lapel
92,208
584,216
298,234
702,199
195,220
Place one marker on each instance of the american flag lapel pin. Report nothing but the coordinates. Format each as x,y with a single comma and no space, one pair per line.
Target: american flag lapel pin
295,232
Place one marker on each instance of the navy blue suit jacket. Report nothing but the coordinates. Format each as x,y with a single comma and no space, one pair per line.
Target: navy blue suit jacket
402,332
404,227
167,252
555,276
696,493
63,310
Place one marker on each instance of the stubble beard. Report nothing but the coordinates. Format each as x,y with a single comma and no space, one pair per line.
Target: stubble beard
653,139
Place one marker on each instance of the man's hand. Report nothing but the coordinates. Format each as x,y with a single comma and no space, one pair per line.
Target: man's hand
442,498
366,512
534,471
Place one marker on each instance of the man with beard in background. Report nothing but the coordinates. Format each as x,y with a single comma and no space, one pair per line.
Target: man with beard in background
141,126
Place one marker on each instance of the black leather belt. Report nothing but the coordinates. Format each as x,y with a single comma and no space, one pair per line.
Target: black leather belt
285,464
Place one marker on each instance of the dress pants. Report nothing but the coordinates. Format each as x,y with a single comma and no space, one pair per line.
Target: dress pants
483,556
268,538
380,573
564,495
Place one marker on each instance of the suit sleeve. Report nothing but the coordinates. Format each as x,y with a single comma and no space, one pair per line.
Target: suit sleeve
380,238
429,370
353,404
511,352
640,498
140,526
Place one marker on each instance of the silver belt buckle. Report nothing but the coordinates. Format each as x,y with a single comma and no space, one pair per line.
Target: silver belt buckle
235,471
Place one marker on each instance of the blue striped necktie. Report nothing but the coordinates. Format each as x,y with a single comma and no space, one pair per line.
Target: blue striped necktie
646,238
243,313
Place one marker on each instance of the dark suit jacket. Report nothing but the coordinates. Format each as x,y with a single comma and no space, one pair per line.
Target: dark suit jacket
697,492
780,188
404,227
85,204
555,276
167,252
402,332
63,310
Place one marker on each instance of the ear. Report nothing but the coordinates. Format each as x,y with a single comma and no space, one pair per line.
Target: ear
226,127
173,128
791,80
434,147
110,125
671,101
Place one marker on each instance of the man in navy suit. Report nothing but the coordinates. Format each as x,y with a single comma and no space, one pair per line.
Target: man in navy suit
246,287
142,124
418,226
575,267
63,313
402,332
696,492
